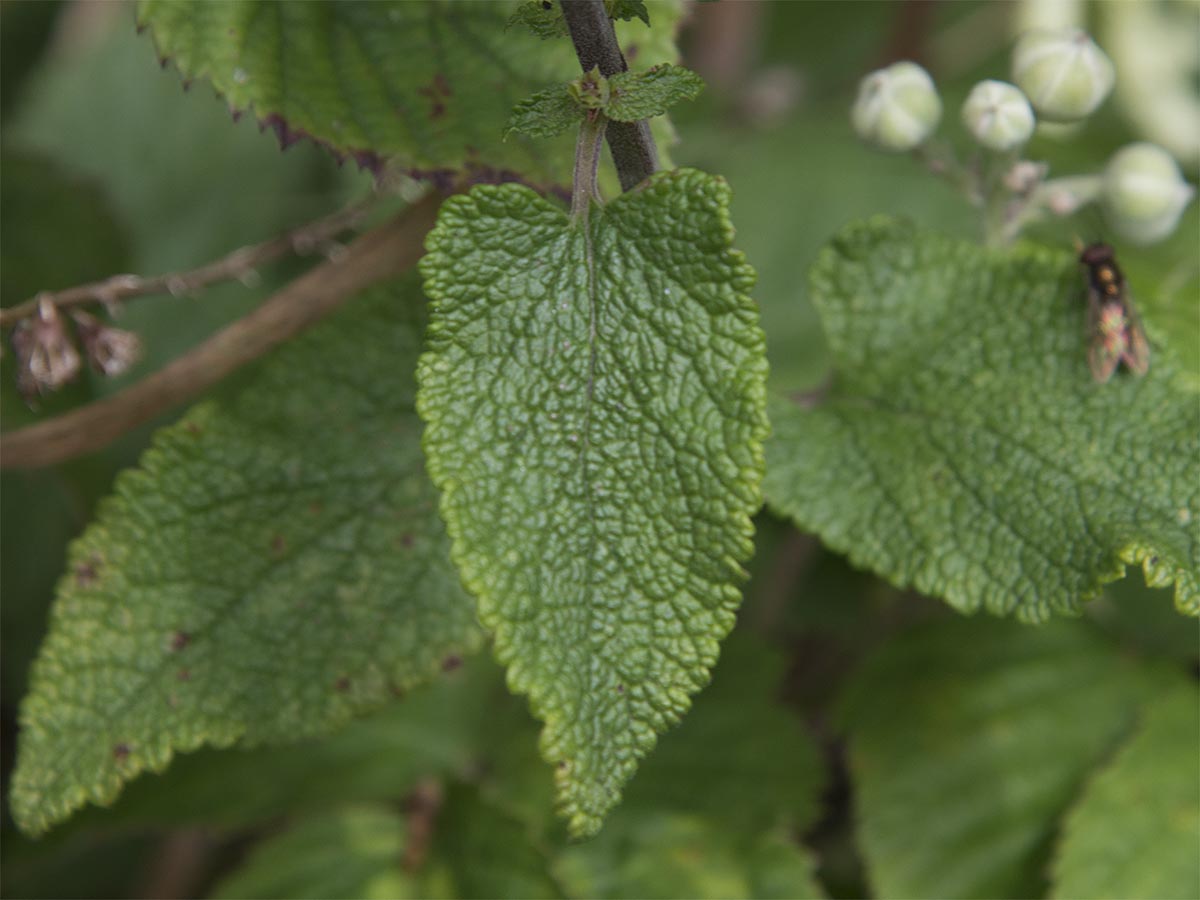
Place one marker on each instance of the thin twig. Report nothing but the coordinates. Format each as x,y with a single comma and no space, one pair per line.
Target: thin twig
633,149
380,254
236,265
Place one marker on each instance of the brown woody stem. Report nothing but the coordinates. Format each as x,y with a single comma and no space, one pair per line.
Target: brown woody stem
374,257
238,264
633,149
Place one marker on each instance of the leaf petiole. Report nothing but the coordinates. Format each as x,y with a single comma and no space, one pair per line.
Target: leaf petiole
587,163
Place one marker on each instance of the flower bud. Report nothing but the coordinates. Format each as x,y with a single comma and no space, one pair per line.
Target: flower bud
591,90
998,115
46,358
897,108
1063,73
1144,193
110,351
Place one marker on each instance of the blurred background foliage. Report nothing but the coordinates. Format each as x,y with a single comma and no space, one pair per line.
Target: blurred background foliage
108,166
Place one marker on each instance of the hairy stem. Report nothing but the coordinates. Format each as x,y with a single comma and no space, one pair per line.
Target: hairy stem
374,257
633,149
587,164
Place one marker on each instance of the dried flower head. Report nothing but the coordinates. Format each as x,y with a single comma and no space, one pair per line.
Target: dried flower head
46,356
110,351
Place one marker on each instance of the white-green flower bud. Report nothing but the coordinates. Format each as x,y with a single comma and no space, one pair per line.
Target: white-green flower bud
897,108
998,115
1063,73
1144,193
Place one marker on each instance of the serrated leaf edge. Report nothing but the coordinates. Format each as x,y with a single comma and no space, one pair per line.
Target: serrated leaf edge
581,823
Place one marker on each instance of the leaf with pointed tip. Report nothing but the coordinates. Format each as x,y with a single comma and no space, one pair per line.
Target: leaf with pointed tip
963,447
545,114
428,85
274,567
644,95
1136,829
628,10
594,399
543,17
969,738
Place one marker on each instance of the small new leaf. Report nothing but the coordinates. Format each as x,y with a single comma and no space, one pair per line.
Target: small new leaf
543,17
644,95
964,447
627,10
546,114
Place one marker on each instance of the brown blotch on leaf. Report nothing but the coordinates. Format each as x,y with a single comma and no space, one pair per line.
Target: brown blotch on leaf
437,91
314,508
120,752
192,428
184,675
179,640
451,662
278,545
342,684
284,133
87,571
406,539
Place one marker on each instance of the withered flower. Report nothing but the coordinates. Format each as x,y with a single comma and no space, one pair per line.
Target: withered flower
110,351
46,357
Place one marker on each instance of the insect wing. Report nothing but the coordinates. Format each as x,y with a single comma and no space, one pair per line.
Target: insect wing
1103,356
1137,350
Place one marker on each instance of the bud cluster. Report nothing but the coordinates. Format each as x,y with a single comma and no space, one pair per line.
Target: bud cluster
1059,76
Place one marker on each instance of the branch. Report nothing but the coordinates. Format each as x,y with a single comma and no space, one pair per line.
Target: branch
633,149
374,257
238,264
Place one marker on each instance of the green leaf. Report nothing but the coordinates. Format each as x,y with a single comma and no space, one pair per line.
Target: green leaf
594,398
349,853
967,741
628,10
963,447
740,757
426,85
545,114
439,729
273,568
644,95
1136,830
543,17
670,855
488,852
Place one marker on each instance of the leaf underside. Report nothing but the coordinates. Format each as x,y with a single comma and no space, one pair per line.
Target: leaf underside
594,404
274,567
964,448
428,85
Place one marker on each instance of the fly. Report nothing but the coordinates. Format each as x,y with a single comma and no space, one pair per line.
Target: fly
1116,333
